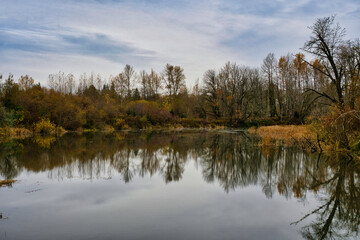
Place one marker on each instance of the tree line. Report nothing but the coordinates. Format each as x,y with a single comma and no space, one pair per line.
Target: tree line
288,90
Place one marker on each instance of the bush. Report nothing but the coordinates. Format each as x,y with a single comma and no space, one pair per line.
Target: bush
154,114
44,126
120,124
338,128
193,123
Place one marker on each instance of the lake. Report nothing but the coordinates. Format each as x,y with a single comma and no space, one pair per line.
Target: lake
174,185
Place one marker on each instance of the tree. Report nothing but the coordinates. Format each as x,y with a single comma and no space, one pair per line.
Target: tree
268,69
325,43
119,85
174,79
129,77
25,82
143,78
154,84
211,88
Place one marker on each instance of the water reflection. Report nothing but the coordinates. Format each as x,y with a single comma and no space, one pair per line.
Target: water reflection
338,216
231,160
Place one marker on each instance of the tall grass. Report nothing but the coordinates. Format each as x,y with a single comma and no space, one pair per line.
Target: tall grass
14,133
289,134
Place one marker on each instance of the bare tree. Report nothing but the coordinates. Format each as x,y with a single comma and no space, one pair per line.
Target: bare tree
26,82
268,69
143,79
154,83
211,88
174,79
129,78
119,83
325,43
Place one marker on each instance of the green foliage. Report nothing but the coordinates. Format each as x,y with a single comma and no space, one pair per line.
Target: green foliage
17,117
356,146
5,117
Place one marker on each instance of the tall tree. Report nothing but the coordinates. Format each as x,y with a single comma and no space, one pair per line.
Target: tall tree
211,89
325,43
174,79
268,69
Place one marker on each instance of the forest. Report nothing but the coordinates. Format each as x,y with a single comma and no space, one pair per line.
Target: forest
319,86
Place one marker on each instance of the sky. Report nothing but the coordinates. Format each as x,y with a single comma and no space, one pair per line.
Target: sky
42,37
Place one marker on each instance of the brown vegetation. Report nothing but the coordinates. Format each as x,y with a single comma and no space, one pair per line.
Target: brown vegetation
289,134
14,133
7,182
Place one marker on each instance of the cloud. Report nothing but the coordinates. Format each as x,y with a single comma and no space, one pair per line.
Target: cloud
197,35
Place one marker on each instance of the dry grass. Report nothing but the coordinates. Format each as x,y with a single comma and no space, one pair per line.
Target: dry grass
289,134
6,182
15,133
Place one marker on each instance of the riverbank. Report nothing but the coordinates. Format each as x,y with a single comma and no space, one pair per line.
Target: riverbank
305,136
288,134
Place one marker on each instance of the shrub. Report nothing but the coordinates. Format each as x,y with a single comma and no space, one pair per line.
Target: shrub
121,124
338,127
44,126
193,123
154,114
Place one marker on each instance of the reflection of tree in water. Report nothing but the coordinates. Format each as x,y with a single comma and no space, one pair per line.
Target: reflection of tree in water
339,215
9,167
100,156
235,161
173,165
232,160
44,141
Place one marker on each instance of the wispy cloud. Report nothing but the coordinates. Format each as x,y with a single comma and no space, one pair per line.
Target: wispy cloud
40,37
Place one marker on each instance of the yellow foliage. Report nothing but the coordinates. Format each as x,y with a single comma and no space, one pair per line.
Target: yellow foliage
44,126
108,129
44,141
121,124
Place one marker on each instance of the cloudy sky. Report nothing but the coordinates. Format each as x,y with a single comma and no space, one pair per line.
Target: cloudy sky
39,37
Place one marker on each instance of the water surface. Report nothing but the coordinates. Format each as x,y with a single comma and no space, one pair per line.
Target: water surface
174,185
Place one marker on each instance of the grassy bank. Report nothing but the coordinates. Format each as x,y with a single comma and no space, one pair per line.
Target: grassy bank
290,135
305,136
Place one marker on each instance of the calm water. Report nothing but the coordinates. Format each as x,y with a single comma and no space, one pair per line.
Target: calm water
166,185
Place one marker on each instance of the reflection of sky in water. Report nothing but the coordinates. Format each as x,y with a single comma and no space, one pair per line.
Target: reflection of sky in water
144,208
81,192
